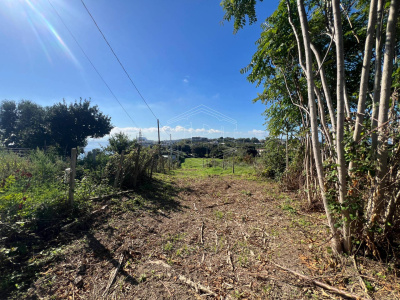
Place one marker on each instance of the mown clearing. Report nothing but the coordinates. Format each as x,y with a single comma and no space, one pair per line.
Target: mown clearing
185,236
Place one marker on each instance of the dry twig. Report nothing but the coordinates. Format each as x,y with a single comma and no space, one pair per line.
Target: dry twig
197,286
229,260
201,233
321,284
362,283
113,275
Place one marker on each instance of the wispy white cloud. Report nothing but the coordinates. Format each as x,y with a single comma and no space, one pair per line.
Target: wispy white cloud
177,132
186,79
257,132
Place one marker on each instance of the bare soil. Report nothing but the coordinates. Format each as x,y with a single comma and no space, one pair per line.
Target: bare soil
215,237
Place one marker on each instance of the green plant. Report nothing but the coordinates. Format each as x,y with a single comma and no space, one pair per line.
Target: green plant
168,246
219,214
142,277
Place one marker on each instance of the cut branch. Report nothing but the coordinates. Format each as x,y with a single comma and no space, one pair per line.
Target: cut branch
321,284
113,275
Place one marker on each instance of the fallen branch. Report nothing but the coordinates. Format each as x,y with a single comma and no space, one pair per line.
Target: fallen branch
321,284
169,292
229,260
362,283
82,220
159,262
110,195
197,286
201,233
113,275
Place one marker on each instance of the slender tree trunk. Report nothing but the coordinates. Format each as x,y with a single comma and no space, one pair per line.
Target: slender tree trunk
322,118
287,152
326,89
340,87
382,155
378,77
336,245
306,168
345,97
365,70
359,223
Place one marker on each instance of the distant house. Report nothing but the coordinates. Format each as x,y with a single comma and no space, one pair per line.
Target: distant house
174,157
260,151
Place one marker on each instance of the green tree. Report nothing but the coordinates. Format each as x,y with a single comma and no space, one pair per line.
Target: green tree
303,70
31,129
71,125
8,119
119,142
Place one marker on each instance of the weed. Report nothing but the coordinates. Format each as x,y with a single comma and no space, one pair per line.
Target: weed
267,289
369,286
246,193
168,246
219,214
274,232
288,208
237,295
303,222
142,277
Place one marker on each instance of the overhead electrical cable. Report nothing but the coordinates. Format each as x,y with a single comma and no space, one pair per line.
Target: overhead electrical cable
120,63
87,57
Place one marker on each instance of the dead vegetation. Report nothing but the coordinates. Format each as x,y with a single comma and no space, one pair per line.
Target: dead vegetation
205,238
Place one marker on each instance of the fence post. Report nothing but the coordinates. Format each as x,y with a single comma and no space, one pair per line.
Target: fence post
233,165
72,177
121,159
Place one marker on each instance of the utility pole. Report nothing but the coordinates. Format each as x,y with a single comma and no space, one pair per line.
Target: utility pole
158,128
140,136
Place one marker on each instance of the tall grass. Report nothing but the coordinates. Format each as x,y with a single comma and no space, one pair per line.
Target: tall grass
31,187
206,167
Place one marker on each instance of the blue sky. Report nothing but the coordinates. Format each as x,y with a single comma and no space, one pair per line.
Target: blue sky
177,52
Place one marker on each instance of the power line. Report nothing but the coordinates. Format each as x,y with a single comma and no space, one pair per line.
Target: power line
87,57
122,66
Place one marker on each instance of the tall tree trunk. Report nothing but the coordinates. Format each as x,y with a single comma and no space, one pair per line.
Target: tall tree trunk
287,152
382,155
325,87
336,245
346,98
322,118
365,70
340,88
378,77
359,223
306,168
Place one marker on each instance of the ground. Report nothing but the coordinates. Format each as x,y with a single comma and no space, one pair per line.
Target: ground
202,237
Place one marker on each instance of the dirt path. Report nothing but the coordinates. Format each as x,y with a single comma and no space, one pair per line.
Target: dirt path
198,238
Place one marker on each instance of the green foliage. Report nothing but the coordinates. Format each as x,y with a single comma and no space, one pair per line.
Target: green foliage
119,142
194,167
62,126
238,10
273,158
200,151
70,125
136,165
